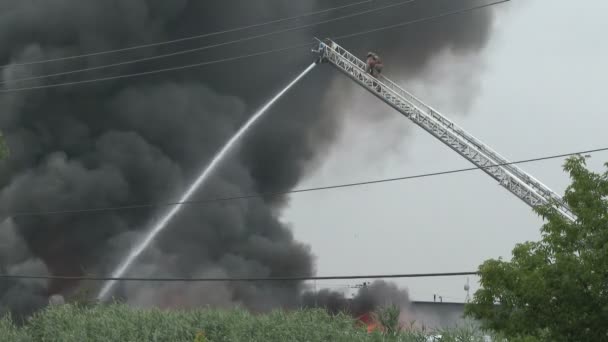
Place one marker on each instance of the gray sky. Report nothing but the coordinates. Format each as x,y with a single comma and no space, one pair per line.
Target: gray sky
542,84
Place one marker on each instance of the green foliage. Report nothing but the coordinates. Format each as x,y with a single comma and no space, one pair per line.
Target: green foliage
467,333
84,297
117,322
76,323
388,318
9,332
555,289
200,337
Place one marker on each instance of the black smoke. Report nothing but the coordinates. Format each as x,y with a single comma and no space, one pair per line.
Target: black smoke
142,140
368,299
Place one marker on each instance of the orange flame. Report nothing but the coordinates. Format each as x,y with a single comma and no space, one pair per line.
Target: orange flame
368,320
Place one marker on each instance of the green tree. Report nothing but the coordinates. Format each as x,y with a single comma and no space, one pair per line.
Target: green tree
555,289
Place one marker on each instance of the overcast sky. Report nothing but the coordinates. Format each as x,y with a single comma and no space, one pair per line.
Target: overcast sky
543,79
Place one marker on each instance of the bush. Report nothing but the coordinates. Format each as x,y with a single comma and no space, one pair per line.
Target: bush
75,323
115,322
388,318
9,332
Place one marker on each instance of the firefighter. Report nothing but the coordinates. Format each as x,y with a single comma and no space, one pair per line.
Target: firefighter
374,64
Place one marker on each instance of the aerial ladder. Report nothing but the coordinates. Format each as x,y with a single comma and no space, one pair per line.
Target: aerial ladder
515,180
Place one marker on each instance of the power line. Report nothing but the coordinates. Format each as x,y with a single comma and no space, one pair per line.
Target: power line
156,71
274,194
245,279
229,59
422,19
190,37
206,47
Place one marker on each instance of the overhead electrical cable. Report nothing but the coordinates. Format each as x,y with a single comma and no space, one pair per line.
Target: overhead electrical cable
204,35
152,72
206,47
245,279
282,193
420,20
229,59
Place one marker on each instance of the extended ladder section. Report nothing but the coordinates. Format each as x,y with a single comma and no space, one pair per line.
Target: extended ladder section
518,182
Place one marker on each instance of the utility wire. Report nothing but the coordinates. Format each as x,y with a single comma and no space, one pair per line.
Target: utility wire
262,279
421,20
206,47
223,60
156,71
274,194
190,37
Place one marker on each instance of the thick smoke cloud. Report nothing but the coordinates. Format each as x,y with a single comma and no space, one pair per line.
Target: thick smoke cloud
368,299
144,139
16,259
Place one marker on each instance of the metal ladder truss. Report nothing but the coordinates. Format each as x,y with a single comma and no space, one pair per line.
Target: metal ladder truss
511,177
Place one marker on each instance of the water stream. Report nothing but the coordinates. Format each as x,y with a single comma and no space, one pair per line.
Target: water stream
161,224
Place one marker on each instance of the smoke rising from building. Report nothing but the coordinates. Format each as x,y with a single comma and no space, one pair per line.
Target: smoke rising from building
142,140
367,299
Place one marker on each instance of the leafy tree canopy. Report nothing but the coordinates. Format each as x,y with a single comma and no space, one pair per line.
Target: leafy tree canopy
555,289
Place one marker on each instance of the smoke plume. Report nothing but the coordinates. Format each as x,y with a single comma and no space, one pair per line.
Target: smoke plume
368,299
141,140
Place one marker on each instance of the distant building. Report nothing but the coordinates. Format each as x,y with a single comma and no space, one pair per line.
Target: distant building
435,315
428,316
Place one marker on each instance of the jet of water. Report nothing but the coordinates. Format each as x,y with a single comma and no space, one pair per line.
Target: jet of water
162,223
